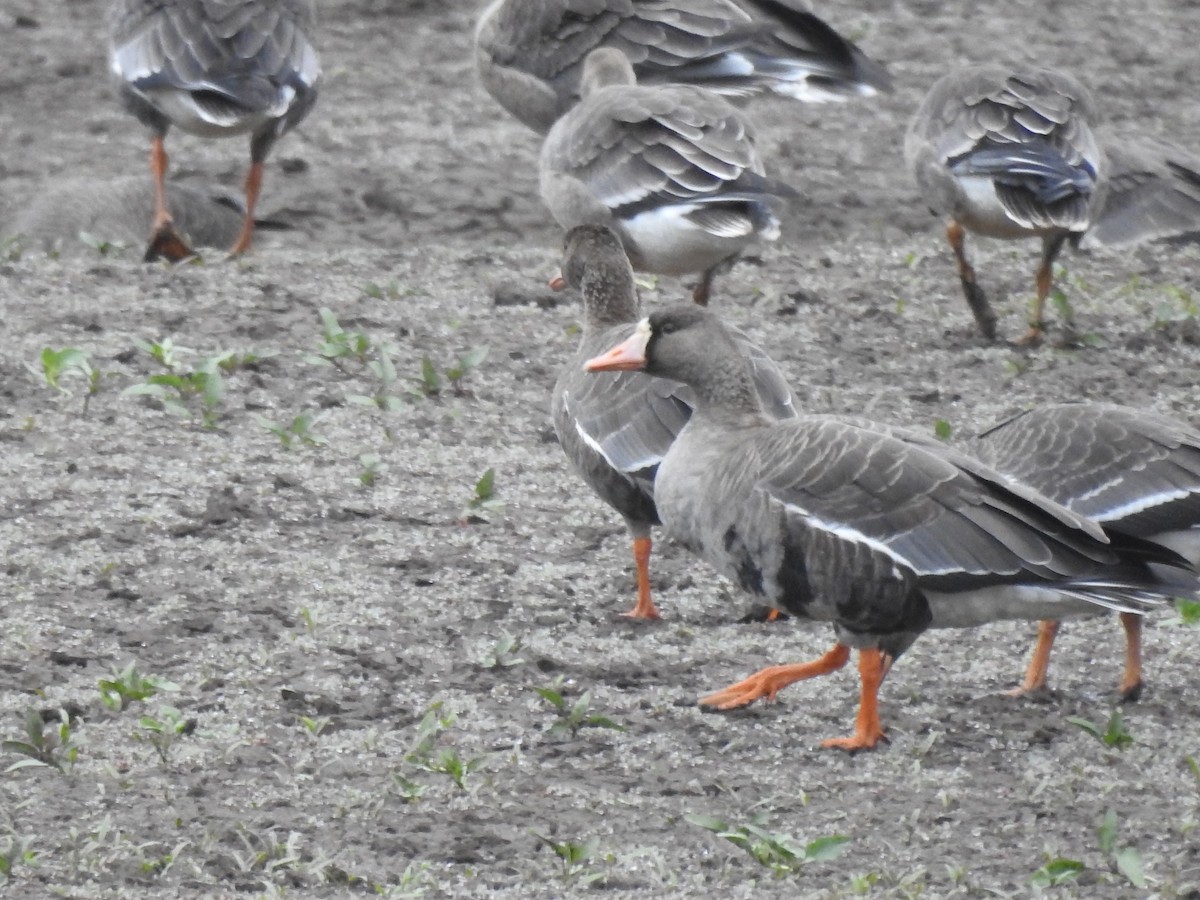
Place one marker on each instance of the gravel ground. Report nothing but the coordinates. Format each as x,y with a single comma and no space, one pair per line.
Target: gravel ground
312,602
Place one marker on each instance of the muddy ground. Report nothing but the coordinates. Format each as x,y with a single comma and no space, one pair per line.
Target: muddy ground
309,620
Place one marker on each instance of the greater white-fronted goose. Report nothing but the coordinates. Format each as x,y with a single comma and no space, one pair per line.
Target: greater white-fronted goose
530,52
672,169
832,520
115,212
1007,154
1134,471
616,428
214,68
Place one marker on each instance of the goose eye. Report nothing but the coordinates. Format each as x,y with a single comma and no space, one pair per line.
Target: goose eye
667,327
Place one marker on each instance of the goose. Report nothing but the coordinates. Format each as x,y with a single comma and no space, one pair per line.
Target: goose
213,68
1016,154
1134,471
1007,154
530,52
616,428
673,169
835,520
114,212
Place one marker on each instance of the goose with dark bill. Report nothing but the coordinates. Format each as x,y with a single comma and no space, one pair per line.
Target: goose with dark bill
672,169
616,428
530,52
213,68
831,519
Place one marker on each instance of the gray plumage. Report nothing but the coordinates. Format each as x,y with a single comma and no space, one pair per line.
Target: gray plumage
1016,154
673,169
1153,192
530,52
1134,471
116,212
615,428
216,67
885,537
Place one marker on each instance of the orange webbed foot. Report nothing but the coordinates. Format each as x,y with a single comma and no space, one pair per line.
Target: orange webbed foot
647,612
867,740
768,682
167,243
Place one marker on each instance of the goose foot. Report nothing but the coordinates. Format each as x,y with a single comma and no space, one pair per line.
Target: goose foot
167,243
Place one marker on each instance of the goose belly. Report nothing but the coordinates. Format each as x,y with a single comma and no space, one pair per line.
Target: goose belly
667,242
967,609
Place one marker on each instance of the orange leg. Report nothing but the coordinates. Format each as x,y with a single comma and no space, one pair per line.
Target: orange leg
873,666
1035,675
645,608
1044,281
985,318
165,241
1131,683
158,167
770,681
254,179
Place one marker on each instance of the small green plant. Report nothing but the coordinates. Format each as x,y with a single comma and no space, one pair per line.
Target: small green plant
10,248
1062,306
426,756
53,365
296,433
337,345
1125,860
777,852
389,291
483,498
54,747
315,726
189,392
468,362
101,246
571,718
384,397
574,858
16,851
942,429
1177,306
1187,614
430,383
371,469
1057,871
164,730
128,686
503,653
1113,735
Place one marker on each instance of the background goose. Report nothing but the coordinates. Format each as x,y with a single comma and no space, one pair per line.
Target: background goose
1008,155
673,169
1135,472
834,521
214,68
530,52
616,428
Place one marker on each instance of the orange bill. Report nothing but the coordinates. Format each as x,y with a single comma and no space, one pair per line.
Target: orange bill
557,283
628,356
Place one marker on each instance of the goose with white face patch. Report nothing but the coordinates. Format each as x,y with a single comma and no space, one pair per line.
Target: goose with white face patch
213,68
882,535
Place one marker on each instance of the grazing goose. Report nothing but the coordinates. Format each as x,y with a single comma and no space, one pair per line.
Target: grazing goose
1007,155
1135,472
833,520
214,68
616,428
672,169
530,52
115,212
